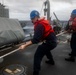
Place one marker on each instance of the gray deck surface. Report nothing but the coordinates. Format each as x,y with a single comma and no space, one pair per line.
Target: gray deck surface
61,66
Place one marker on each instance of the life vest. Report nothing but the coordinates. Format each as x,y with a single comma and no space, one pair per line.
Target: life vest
72,24
46,25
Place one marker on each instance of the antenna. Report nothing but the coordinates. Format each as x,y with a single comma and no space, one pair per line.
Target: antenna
3,2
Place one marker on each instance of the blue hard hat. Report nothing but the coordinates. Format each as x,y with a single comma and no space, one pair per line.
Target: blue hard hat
73,12
33,14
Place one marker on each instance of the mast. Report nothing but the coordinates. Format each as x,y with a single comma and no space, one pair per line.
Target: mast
47,9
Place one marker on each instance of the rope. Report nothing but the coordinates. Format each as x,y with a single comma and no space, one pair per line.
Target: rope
61,33
8,53
18,49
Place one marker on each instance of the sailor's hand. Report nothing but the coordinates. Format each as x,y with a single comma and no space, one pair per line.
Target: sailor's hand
22,47
25,45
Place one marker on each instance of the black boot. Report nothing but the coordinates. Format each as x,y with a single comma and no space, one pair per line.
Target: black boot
70,54
35,73
50,62
71,59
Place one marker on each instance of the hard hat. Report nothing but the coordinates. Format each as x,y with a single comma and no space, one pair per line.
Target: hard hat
33,14
73,12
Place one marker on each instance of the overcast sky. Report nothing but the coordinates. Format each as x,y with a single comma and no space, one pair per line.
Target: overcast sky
21,9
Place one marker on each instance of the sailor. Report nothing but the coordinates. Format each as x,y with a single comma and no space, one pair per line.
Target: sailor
42,31
72,28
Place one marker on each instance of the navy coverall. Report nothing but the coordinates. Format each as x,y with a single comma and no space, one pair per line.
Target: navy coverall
44,48
73,44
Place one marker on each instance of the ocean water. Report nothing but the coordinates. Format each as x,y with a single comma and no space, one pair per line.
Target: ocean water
29,32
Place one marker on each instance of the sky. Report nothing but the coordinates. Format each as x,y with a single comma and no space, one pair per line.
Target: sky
20,9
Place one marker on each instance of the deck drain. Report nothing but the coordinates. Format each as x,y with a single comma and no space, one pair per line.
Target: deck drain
14,69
